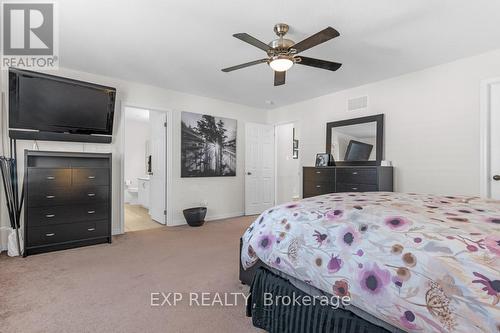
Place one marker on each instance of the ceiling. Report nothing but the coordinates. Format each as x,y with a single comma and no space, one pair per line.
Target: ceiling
183,44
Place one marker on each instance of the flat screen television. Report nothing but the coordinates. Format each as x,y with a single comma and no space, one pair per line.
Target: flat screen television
358,151
50,103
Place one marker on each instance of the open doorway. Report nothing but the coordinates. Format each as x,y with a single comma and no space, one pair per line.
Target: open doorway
144,169
287,163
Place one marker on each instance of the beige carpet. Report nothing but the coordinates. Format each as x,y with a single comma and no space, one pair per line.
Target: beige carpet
106,288
137,218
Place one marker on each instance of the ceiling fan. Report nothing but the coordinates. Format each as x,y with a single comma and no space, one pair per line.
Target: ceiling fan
282,52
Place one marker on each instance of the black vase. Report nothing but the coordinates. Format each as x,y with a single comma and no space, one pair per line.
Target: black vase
195,217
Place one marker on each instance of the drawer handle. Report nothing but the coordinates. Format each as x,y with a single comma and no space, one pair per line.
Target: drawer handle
50,215
50,196
91,211
91,194
354,188
318,186
91,177
355,173
91,229
50,177
50,235
318,172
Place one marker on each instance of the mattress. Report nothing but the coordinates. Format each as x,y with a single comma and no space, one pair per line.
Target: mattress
418,262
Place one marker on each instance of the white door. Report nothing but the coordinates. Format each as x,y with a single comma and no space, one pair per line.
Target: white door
157,183
494,123
259,168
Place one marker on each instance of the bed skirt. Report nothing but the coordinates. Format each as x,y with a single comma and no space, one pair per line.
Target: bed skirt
313,318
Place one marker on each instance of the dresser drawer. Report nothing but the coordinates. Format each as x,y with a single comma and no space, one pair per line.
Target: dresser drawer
60,233
323,175
357,175
91,229
49,234
312,189
343,187
39,196
43,216
90,176
49,177
91,194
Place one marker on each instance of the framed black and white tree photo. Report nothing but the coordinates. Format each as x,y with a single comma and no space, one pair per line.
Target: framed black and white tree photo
208,146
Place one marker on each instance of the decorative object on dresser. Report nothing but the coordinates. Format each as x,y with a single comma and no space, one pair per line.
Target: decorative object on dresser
324,160
318,181
68,200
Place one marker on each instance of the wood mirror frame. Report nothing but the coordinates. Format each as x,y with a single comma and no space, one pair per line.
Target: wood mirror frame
379,119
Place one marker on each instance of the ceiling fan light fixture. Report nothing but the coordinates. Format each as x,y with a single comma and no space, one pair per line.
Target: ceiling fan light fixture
281,63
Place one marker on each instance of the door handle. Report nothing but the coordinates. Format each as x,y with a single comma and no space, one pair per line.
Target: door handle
496,177
249,173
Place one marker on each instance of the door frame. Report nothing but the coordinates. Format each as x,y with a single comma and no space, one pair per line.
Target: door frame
485,134
294,122
168,163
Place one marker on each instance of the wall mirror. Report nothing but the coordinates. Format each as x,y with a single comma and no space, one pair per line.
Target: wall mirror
357,141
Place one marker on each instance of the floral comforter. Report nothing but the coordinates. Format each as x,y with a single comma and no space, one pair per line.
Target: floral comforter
419,262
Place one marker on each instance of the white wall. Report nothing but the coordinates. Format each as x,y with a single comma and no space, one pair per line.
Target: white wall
137,129
225,196
431,123
287,169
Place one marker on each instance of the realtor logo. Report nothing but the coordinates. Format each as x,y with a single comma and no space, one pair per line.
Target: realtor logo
29,32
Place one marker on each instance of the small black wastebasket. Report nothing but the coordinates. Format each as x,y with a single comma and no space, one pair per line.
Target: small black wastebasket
195,217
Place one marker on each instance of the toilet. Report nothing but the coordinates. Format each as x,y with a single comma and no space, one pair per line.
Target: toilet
131,193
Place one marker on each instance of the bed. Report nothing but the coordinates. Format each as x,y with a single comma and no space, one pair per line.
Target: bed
417,263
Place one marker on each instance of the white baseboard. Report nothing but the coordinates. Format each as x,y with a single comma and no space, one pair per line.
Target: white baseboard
224,216
181,221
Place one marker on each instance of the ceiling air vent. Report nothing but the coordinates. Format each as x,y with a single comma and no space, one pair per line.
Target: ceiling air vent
357,103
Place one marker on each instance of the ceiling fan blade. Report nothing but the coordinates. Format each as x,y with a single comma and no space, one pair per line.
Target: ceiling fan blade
248,64
279,78
323,64
252,41
316,39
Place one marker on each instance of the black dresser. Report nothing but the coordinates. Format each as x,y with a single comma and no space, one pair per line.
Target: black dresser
68,200
317,181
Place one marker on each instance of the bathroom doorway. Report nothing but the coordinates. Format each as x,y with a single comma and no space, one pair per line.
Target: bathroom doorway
288,176
144,169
